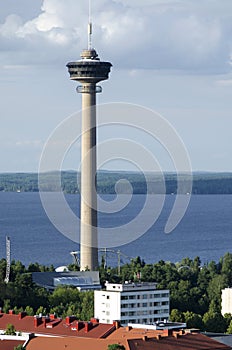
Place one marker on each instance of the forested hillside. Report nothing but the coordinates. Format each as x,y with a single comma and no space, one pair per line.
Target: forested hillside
203,183
195,290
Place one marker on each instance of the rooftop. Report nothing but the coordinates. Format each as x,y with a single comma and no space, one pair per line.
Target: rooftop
130,286
55,333
81,279
9,344
50,325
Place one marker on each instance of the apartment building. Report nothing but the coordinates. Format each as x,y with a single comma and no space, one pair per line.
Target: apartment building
131,303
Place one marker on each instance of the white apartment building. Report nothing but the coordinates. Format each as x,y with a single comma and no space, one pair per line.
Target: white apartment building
131,303
226,306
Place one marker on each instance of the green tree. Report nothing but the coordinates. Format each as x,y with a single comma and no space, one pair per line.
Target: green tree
87,303
116,347
10,329
229,329
41,310
215,286
176,316
6,305
193,320
227,268
29,310
213,319
19,347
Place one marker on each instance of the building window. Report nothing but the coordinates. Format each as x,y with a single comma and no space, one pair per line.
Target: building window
107,297
131,306
165,295
124,306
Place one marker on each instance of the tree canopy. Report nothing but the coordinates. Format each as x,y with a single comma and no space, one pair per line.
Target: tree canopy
195,290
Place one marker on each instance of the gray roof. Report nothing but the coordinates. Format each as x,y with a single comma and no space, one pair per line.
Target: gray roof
82,279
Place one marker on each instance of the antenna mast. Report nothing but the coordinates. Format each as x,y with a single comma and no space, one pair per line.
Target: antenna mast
7,278
90,28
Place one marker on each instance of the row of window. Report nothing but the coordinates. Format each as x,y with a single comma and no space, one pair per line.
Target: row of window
140,313
136,305
144,296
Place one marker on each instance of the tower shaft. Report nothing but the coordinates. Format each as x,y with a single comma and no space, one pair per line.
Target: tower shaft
88,238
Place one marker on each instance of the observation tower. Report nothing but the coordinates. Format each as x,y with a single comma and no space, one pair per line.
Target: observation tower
89,70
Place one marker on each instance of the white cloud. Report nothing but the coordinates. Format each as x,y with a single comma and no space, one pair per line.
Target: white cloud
29,143
11,26
170,34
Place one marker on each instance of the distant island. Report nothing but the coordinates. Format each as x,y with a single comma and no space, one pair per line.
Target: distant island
203,182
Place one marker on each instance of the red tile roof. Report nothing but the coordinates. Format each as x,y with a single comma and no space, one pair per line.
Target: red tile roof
73,334
9,344
56,327
68,343
186,341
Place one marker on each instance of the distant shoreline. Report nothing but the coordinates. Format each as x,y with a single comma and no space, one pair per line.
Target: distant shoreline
203,182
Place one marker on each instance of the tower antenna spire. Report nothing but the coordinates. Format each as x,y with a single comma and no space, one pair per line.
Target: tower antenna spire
90,28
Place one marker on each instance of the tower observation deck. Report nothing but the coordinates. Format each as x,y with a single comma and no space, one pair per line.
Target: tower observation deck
89,70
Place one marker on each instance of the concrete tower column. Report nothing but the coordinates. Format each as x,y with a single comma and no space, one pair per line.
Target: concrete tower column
89,71
88,238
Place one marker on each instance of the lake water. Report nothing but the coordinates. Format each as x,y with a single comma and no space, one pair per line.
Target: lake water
205,231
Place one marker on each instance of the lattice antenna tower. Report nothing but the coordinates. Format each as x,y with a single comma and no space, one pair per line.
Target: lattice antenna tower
7,278
90,28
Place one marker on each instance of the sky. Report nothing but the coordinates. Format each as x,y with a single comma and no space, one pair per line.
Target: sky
171,56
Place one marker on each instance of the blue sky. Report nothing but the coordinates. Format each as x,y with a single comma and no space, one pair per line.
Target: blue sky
173,56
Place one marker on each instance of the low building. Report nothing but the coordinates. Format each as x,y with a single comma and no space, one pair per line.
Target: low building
226,306
131,303
83,280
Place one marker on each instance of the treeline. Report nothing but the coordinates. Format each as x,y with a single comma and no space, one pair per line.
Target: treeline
112,182
195,290
21,294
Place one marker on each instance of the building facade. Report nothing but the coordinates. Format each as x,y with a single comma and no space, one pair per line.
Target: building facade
131,303
226,307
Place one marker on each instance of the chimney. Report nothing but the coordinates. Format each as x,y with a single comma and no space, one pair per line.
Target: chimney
46,320
22,315
70,319
11,312
52,316
144,338
167,332
128,328
116,324
79,325
37,321
94,320
158,336
88,326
